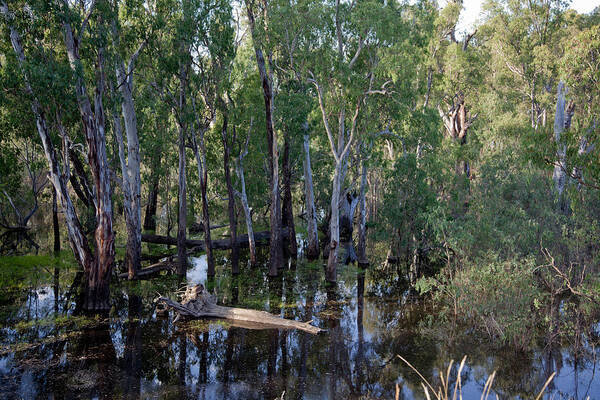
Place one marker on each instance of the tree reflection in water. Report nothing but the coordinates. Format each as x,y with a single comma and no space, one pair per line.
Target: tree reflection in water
136,353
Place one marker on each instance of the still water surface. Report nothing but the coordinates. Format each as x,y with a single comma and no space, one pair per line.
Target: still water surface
135,353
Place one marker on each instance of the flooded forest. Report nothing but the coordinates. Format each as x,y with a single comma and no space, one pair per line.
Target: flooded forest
299,199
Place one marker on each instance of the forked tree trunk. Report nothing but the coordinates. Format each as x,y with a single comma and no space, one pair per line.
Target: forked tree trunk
131,166
362,217
287,207
93,121
312,252
276,248
235,268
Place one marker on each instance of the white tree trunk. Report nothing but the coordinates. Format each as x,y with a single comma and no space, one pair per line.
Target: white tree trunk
77,239
560,168
362,219
334,224
309,195
131,169
247,212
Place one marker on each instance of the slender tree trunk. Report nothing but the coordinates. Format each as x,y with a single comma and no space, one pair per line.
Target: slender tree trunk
287,208
334,225
127,201
276,250
130,167
203,177
362,219
182,208
560,168
244,199
312,251
235,268
55,226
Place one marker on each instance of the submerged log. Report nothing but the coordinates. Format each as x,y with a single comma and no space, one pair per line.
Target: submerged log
197,303
261,239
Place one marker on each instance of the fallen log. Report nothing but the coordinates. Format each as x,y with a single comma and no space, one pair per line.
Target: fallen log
197,303
196,227
154,269
261,239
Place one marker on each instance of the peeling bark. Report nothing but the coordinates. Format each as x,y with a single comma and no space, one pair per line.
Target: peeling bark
93,121
130,166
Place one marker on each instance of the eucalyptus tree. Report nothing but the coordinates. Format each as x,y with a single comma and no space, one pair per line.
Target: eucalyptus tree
130,160
212,49
524,39
580,67
293,32
172,83
97,265
457,79
344,72
266,77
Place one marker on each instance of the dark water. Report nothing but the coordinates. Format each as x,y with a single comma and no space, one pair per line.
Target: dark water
135,353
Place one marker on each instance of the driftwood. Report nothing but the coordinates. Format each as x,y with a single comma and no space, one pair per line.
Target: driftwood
261,238
197,303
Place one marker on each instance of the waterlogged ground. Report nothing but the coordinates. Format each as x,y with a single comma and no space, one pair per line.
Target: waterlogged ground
369,319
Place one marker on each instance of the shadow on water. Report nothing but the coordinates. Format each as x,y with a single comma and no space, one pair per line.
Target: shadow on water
48,352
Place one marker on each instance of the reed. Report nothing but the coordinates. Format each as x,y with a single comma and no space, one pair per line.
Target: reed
445,392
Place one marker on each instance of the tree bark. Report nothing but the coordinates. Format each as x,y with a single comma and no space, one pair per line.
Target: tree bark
77,238
244,199
203,178
151,206
312,252
198,303
560,168
334,225
276,250
235,268
93,121
182,206
287,207
362,219
260,238
131,166
55,226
